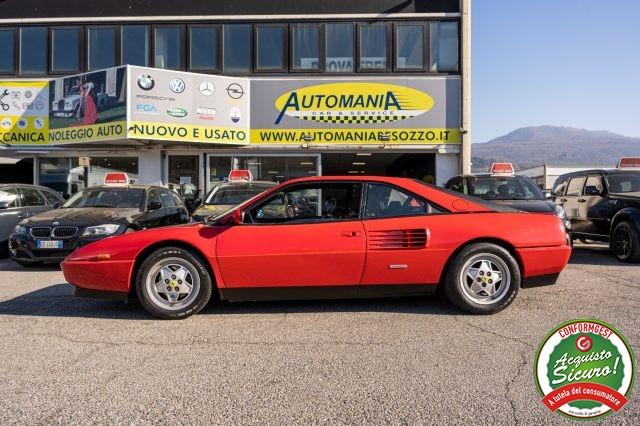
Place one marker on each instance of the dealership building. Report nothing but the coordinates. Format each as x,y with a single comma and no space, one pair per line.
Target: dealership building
181,93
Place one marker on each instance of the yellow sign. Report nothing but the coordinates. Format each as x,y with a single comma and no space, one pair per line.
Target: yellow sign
24,113
353,102
356,136
91,133
187,133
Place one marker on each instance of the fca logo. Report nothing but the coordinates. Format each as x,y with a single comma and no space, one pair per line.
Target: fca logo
146,108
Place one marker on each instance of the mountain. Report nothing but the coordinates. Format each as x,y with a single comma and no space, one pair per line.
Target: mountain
534,146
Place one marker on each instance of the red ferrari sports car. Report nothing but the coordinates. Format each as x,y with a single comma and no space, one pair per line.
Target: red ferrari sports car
331,237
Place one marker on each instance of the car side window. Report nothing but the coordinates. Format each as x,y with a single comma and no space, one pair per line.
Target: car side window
10,196
575,186
456,184
593,182
167,200
154,196
32,197
176,200
51,197
311,202
559,187
386,201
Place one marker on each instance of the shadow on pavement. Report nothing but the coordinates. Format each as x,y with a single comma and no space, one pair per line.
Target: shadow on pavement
587,254
58,301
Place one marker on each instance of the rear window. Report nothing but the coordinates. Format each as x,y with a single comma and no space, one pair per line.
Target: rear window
488,204
504,188
107,197
624,182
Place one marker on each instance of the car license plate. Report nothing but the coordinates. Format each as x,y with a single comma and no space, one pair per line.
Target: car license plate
48,244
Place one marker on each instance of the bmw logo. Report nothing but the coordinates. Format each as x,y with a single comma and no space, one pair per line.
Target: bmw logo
145,82
177,85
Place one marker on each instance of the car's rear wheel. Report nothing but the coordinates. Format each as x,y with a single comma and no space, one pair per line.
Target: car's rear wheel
173,283
625,242
483,278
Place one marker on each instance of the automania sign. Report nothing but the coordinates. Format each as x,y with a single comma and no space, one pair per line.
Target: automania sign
353,102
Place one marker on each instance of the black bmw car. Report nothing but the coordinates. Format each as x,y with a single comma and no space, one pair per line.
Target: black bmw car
92,214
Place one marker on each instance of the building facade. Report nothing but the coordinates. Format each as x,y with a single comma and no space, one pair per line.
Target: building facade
327,87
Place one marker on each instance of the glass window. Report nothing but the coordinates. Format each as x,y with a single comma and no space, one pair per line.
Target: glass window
456,184
32,197
167,199
373,47
385,201
305,42
9,196
33,50
65,49
277,169
135,45
219,168
444,46
624,182
154,197
575,186
326,202
7,47
559,187
184,171
409,46
121,198
339,47
56,173
237,48
168,47
203,45
101,47
504,188
270,48
51,197
593,182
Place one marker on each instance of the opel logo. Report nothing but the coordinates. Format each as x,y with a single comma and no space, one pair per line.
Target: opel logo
177,85
145,82
235,91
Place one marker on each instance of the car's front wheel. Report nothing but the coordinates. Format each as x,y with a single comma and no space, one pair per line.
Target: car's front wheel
173,283
625,242
482,279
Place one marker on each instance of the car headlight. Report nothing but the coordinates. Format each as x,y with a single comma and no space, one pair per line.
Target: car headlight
20,230
560,212
107,229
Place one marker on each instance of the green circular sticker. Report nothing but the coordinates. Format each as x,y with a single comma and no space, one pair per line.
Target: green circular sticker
584,369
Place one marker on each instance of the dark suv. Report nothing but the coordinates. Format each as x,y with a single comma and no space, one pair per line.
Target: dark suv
603,205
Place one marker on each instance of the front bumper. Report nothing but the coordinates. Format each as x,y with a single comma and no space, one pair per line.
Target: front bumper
23,248
101,275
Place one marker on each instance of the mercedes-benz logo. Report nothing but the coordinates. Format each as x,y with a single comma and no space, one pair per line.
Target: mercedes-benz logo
177,85
145,82
235,91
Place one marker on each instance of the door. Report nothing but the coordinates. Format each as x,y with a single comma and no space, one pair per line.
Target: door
174,211
10,214
184,177
398,238
306,235
155,215
593,207
33,201
570,202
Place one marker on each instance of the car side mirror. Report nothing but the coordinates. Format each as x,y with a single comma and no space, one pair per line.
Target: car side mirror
592,190
154,205
57,204
4,205
236,217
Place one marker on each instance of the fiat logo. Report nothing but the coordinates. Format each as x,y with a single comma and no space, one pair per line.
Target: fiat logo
177,85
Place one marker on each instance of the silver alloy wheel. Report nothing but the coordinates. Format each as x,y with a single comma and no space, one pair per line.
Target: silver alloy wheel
172,283
485,279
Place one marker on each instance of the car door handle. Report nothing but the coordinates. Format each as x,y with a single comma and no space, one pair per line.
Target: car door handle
350,233
582,200
563,200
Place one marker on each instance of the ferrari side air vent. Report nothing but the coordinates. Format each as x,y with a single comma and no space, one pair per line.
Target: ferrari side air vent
398,239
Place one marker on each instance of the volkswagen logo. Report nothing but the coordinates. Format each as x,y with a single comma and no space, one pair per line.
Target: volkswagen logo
145,82
235,91
177,85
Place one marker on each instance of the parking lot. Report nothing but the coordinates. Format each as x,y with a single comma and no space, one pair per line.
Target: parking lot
373,361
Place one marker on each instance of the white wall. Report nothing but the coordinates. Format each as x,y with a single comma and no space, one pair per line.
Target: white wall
150,167
447,166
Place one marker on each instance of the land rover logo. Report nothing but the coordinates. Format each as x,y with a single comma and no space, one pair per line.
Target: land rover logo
177,85
145,82
353,102
177,112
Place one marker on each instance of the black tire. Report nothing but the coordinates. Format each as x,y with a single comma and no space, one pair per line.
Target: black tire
150,300
625,242
453,283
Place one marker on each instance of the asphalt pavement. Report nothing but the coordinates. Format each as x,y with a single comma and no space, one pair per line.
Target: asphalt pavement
69,360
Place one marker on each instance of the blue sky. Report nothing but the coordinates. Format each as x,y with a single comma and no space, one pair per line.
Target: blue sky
560,62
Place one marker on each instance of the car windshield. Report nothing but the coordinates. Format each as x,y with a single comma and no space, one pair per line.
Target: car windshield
121,198
229,195
504,188
624,182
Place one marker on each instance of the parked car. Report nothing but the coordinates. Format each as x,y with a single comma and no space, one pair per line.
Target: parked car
227,195
604,205
369,236
93,214
503,186
69,105
20,201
